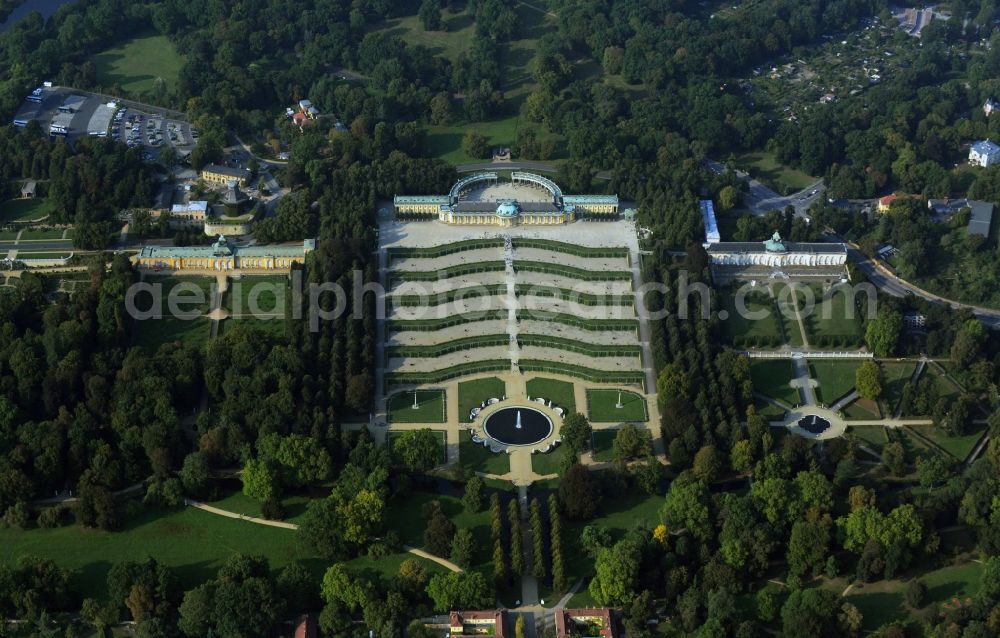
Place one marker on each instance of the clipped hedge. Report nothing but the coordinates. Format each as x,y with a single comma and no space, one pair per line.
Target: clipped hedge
456,345
446,273
613,325
437,376
469,292
582,298
571,345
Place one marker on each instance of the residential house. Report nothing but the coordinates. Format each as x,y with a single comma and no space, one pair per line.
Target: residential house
984,153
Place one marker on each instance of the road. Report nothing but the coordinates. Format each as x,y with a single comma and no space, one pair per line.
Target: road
544,167
893,285
761,199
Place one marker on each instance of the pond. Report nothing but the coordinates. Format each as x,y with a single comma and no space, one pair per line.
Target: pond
518,426
45,7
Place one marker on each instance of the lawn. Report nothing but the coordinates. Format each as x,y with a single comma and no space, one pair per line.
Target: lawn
472,394
765,168
51,233
137,64
743,331
862,409
24,210
561,393
440,435
602,406
768,410
603,444
895,376
445,142
617,516
478,458
771,377
829,323
547,463
255,295
153,333
405,516
271,326
787,313
194,297
22,254
872,436
450,43
836,378
430,407
882,602
958,446
192,542
295,506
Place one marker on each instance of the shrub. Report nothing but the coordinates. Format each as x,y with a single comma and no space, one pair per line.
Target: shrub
915,593
272,509
52,517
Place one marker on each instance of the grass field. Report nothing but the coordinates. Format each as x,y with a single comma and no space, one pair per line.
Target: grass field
771,377
153,333
478,458
895,375
829,323
768,410
137,64
455,39
787,313
445,142
271,326
559,392
295,506
601,406
405,516
836,378
862,409
549,462
257,294
617,517
430,407
471,394
192,542
24,210
872,436
958,446
765,168
743,331
21,254
883,602
53,233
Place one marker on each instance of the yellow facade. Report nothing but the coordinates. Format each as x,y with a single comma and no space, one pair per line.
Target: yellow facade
222,179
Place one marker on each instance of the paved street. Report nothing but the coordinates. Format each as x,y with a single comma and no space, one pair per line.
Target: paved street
761,199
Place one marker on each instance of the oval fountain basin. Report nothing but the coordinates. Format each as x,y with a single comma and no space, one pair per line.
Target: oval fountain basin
502,425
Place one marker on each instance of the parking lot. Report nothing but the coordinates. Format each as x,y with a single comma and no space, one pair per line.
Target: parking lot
152,132
63,111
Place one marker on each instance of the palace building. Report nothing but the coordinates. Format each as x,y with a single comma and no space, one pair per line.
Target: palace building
527,199
777,259
222,255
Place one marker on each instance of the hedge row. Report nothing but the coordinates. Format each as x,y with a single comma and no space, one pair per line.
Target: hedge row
572,249
571,345
757,341
397,252
582,298
582,372
470,292
571,272
429,325
447,273
457,345
437,376
614,325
